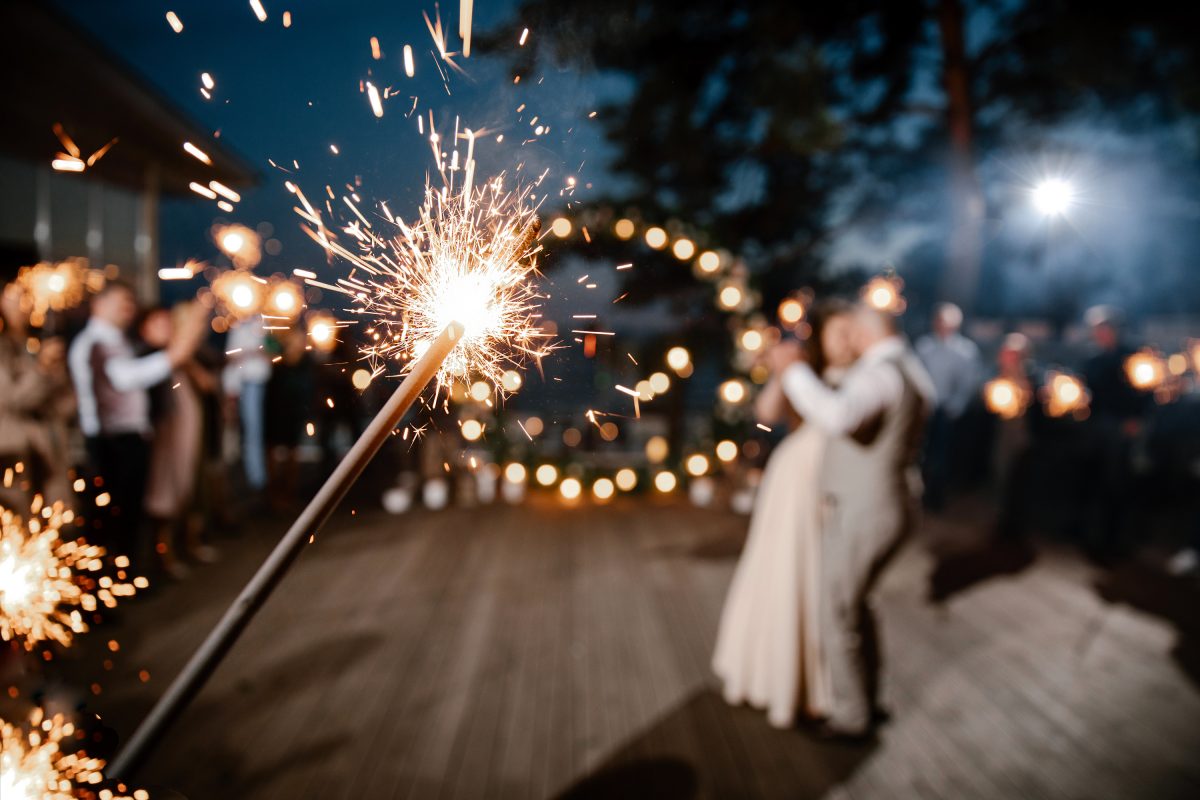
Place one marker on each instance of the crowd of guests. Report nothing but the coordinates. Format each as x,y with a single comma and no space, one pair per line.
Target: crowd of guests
142,414
1083,462
136,418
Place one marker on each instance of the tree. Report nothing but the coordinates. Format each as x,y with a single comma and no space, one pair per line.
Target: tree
779,126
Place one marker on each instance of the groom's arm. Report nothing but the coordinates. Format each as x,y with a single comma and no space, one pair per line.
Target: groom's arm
867,392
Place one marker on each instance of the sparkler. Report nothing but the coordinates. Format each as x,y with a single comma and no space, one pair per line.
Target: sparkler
1145,370
239,292
1005,398
883,292
1065,394
46,581
33,765
56,287
450,298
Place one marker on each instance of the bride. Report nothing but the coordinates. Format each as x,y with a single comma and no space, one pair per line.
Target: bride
769,649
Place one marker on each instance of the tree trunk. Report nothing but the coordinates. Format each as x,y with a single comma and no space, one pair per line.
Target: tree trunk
964,246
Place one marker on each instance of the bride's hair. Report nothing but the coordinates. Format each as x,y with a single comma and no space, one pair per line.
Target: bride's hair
821,314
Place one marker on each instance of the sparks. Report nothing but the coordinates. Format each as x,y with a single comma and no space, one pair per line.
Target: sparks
174,21
470,258
257,7
373,97
46,581
33,763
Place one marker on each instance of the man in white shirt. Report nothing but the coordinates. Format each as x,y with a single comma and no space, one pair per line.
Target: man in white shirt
954,364
874,421
114,407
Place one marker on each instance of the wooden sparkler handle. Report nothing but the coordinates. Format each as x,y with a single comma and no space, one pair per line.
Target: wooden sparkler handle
208,657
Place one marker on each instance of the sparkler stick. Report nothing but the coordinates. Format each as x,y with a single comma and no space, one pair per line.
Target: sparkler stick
206,659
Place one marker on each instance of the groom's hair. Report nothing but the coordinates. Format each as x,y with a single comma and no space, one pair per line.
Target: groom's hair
879,322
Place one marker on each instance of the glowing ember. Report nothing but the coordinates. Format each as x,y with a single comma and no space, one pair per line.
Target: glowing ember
45,581
469,259
197,153
33,765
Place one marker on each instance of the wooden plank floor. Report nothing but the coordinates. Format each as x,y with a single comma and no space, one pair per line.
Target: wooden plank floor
541,652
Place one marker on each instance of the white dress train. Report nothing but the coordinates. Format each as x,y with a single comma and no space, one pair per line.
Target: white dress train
769,651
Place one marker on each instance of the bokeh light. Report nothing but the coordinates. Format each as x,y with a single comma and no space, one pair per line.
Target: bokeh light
626,479
546,474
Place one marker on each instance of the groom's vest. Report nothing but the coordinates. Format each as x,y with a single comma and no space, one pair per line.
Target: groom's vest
869,481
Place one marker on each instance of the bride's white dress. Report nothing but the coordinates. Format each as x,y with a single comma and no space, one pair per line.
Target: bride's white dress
768,647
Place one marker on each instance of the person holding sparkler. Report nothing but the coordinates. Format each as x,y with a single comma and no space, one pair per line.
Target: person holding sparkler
111,382
1115,423
35,400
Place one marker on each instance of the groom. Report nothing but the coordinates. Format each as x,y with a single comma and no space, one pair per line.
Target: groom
875,421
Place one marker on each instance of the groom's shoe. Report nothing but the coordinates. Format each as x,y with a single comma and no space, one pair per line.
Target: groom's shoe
880,716
830,733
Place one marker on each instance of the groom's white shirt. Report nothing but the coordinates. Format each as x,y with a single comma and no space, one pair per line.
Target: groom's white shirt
872,385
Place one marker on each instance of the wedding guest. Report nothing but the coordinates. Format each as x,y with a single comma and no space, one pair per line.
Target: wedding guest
1012,453
245,378
35,398
114,407
1117,411
175,448
770,651
289,397
953,363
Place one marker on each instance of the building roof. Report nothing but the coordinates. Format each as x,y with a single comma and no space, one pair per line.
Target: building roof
58,73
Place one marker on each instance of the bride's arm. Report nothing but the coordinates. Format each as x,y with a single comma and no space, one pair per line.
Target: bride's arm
771,404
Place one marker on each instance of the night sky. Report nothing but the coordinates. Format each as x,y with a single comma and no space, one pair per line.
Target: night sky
288,94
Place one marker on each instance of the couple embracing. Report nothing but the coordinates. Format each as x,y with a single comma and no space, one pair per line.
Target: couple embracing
797,634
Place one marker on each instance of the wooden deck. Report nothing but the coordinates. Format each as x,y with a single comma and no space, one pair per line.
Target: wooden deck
540,652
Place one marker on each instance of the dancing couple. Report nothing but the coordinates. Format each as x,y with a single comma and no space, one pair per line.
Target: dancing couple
839,493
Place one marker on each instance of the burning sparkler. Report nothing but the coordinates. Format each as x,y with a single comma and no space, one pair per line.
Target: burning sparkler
56,287
452,297
45,581
1065,394
1005,397
884,293
33,765
240,292
469,258
1145,370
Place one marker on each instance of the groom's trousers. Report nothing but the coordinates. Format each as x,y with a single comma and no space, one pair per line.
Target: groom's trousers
858,544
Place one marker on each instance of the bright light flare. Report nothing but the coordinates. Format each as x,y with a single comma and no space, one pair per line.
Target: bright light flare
1053,197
